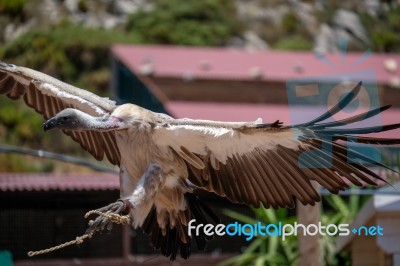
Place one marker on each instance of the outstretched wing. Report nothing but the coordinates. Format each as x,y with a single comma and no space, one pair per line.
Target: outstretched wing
269,163
48,96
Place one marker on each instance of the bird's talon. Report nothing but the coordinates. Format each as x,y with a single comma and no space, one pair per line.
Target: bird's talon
103,222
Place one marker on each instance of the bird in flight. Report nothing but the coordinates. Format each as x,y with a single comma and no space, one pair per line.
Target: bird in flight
163,160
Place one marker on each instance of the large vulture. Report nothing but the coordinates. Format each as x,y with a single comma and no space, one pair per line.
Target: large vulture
162,159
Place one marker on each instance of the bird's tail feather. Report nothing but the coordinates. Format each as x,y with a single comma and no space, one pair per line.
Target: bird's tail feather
176,239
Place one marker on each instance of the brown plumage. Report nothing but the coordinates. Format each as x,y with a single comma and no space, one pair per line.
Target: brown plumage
161,158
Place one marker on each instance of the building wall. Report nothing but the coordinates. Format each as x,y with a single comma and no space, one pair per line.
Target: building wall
128,88
222,90
365,250
259,92
390,95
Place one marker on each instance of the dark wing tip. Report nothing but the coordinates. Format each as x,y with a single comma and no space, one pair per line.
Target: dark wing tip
336,108
276,124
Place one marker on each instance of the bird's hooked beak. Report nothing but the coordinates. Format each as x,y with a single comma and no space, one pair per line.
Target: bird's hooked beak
50,124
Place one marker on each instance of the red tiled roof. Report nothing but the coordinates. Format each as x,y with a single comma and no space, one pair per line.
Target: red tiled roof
65,182
227,63
270,113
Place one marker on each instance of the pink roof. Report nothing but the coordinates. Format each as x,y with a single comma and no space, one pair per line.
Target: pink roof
270,113
50,181
229,63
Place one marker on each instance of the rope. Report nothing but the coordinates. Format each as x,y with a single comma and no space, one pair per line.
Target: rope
113,217
77,241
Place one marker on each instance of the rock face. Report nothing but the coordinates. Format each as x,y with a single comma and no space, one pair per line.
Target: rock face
305,13
250,41
325,40
347,26
264,20
104,14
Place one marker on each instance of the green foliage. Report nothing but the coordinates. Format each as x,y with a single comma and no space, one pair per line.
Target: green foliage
65,51
294,43
290,23
385,40
82,6
69,52
289,34
191,22
12,7
266,250
22,124
393,19
16,163
383,30
326,14
338,210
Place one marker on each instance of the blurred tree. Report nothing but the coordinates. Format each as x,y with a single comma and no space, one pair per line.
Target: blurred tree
384,29
12,7
191,22
293,43
69,52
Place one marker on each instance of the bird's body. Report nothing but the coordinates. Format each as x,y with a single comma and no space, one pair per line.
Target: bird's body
137,142
163,159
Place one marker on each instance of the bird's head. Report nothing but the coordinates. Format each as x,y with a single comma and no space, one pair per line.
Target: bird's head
66,119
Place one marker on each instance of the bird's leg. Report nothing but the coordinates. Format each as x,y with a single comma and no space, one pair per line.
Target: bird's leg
147,186
144,192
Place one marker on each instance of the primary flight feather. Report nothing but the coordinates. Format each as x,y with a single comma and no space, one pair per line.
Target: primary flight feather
160,158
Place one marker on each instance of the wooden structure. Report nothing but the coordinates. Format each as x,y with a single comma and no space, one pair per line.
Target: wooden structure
375,249
39,210
195,260
151,75
309,246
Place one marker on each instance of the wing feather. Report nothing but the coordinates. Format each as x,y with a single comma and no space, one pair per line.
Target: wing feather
255,182
301,185
7,84
249,181
304,182
243,185
266,186
238,192
272,164
48,96
215,182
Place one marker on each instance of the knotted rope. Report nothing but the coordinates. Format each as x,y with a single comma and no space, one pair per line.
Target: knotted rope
113,217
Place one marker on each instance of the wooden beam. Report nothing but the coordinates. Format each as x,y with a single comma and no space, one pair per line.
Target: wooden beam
309,246
126,243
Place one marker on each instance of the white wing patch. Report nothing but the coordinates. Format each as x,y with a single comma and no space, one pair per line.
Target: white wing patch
82,104
83,100
222,142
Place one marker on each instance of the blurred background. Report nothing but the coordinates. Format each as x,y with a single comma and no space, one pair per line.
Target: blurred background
213,59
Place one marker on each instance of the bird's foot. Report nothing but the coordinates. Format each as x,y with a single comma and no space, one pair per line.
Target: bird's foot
113,213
